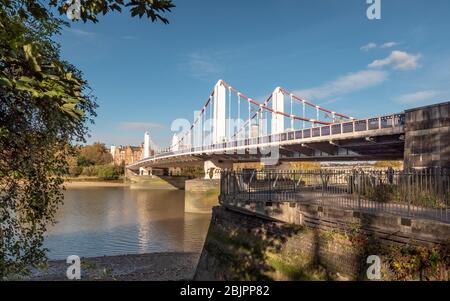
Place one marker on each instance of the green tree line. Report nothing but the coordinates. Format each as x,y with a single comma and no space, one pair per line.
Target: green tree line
94,161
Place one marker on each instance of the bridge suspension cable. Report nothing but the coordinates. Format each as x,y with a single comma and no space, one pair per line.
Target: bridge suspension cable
260,115
265,107
318,108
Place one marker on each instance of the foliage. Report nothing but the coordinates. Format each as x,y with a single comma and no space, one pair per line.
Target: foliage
383,193
427,199
45,106
389,163
404,261
305,165
93,161
296,272
107,172
75,170
152,9
95,154
211,173
248,165
89,171
193,171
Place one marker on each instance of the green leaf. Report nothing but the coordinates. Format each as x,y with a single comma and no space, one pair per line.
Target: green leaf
4,82
28,50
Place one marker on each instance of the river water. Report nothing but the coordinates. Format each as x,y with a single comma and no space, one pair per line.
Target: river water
97,221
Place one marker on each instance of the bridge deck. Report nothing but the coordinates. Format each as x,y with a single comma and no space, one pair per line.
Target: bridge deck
343,141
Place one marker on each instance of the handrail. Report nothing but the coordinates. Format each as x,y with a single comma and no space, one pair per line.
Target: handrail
397,120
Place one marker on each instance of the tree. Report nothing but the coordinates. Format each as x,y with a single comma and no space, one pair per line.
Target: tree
389,163
44,108
305,165
95,154
90,9
107,172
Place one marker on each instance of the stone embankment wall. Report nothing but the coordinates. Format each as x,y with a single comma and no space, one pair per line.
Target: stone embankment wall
320,244
201,195
158,182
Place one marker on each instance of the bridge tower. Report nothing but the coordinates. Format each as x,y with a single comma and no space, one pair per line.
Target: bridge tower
146,153
146,145
219,113
175,142
278,106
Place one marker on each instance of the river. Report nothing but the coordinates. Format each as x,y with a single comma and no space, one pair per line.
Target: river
97,221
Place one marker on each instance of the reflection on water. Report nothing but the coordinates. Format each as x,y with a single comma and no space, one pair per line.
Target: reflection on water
96,221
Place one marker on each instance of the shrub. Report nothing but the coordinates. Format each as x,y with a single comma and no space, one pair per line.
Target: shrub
107,172
89,171
211,173
75,171
119,169
383,193
427,200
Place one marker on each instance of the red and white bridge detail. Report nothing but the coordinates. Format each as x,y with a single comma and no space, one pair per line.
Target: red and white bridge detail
232,127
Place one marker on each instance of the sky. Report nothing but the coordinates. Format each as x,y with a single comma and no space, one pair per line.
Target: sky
145,75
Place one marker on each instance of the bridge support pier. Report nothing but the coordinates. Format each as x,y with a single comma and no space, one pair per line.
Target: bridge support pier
201,195
427,132
214,167
145,171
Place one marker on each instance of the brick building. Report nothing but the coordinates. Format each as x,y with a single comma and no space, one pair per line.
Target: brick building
126,154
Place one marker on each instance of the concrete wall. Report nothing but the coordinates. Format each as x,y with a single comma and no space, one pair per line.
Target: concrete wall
201,195
319,243
398,229
427,136
157,182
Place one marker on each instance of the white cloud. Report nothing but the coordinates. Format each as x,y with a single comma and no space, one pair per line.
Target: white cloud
203,64
80,32
345,84
368,46
417,96
399,60
129,38
389,45
141,126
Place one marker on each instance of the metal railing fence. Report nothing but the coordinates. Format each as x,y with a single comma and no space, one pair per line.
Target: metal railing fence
421,193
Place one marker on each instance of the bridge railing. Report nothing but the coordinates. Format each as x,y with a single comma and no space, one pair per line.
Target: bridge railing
359,125
415,193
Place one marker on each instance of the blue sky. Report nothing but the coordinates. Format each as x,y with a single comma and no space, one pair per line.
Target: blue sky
145,74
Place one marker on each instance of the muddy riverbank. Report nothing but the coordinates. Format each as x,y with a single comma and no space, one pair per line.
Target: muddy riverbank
136,267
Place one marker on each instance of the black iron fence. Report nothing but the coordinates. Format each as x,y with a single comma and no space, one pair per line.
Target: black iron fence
421,193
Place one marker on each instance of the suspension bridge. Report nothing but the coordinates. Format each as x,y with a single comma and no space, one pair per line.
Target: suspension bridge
232,127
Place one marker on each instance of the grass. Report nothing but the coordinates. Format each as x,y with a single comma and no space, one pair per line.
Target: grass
298,272
92,179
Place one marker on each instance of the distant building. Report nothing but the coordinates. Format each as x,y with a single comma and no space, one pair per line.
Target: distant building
130,154
127,154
